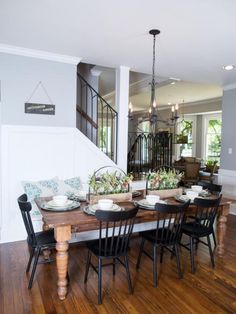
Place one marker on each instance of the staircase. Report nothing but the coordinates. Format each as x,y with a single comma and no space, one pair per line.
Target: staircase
96,118
148,151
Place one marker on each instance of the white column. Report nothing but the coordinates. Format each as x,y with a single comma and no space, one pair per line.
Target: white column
122,101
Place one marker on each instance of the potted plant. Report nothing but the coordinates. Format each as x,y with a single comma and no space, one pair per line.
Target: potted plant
111,185
182,138
164,183
211,166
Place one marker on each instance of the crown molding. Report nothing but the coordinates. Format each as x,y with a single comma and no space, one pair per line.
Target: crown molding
39,54
229,87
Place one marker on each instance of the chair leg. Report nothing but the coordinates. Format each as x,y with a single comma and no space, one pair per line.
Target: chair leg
210,250
161,254
114,266
87,266
128,274
34,268
99,281
30,259
214,237
176,248
192,256
140,253
155,266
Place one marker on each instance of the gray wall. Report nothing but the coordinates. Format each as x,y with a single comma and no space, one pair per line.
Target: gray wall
199,127
228,161
19,76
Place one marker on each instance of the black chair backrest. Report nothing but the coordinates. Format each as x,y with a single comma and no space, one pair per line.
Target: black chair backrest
210,186
115,229
25,208
169,221
206,211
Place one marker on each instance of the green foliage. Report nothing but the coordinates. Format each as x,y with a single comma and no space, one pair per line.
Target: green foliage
164,179
211,163
109,183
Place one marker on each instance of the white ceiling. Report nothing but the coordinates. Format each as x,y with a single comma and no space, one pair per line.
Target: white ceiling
197,37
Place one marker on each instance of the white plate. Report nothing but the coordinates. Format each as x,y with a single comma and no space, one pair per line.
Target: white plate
72,206
53,204
144,203
182,198
95,207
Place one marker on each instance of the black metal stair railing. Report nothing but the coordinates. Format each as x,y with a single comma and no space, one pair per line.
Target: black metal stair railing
148,151
96,118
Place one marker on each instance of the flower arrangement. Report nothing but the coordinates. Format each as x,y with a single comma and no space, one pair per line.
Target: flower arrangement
109,183
163,179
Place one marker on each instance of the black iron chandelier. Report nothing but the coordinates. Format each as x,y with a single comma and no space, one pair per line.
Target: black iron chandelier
153,115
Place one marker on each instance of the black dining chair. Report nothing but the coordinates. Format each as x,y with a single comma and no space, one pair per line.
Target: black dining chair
166,235
214,189
115,229
37,241
211,187
200,225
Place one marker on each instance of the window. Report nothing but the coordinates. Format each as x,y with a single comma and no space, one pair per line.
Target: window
213,137
187,127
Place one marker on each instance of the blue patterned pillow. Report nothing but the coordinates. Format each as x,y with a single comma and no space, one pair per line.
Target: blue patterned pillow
70,187
41,188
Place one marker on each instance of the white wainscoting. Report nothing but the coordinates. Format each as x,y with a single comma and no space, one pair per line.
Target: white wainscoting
227,178
37,153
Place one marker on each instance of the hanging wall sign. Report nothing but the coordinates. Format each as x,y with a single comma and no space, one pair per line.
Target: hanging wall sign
39,108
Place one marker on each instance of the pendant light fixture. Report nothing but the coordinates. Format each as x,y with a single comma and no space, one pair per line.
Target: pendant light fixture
153,104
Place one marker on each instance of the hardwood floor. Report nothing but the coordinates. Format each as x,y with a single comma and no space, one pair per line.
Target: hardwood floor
208,291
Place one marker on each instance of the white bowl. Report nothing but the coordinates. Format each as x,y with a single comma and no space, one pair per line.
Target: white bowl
60,199
196,188
192,194
152,199
105,204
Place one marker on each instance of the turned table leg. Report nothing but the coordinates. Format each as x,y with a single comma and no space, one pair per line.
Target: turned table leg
62,235
221,228
46,252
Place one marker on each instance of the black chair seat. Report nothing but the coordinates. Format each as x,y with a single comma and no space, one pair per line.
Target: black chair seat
164,236
93,246
193,229
44,239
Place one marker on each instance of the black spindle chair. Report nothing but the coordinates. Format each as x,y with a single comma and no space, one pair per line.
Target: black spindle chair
37,241
201,225
115,229
211,187
214,189
165,236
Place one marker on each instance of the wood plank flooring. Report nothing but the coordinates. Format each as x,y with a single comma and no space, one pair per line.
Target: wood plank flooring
208,291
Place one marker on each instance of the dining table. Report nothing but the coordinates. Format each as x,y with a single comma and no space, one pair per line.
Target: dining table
66,222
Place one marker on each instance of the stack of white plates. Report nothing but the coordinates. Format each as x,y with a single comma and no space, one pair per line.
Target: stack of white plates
69,205
91,209
144,204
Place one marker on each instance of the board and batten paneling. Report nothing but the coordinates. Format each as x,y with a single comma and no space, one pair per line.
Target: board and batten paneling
37,153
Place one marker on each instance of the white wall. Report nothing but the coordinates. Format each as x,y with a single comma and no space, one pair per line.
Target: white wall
19,76
34,153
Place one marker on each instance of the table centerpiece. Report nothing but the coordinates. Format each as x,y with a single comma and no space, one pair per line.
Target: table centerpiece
164,183
110,185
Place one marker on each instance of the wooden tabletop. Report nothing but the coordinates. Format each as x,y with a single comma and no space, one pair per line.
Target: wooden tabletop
79,218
